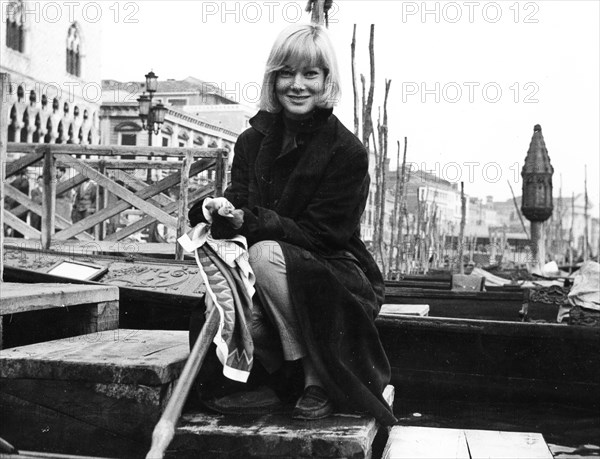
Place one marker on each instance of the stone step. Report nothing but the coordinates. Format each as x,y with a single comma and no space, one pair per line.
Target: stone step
39,312
102,394
97,394
276,436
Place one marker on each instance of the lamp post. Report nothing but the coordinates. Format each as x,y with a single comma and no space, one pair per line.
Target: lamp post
152,116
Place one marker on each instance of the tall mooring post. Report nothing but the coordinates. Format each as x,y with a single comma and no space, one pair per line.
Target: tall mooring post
536,203
4,86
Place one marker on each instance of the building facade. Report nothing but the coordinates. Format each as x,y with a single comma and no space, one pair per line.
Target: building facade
199,115
52,57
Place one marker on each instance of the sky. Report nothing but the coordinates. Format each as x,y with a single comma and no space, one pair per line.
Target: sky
469,80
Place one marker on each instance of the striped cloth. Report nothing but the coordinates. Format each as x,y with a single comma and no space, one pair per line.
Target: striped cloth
229,283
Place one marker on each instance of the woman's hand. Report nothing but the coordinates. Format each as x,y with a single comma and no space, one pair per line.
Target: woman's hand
226,226
235,216
212,205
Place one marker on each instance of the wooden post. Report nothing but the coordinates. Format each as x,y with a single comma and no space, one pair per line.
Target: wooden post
571,241
3,141
318,12
220,174
183,201
104,225
538,251
100,192
461,237
354,89
48,200
586,234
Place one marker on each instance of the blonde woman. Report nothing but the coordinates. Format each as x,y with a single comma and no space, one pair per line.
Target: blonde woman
299,184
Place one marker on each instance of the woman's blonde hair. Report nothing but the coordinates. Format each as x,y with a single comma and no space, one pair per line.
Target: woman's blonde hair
297,46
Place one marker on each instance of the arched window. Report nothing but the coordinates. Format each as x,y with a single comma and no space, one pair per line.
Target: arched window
15,33
73,50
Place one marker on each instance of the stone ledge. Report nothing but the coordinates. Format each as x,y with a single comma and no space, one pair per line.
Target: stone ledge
275,436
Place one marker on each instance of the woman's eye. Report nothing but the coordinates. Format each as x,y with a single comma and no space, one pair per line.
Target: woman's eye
311,73
286,73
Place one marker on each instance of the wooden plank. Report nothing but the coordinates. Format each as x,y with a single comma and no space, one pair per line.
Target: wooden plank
123,356
137,185
120,164
25,161
404,309
120,191
18,297
146,193
21,226
61,187
484,444
408,442
115,150
465,304
28,204
506,329
71,247
202,193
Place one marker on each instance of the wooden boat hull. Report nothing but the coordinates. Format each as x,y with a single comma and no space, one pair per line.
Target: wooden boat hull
502,305
464,358
449,354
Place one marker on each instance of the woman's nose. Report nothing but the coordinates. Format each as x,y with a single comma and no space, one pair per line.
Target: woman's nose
298,82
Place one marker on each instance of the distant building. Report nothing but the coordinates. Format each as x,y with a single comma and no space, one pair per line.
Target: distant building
199,115
54,71
481,216
566,224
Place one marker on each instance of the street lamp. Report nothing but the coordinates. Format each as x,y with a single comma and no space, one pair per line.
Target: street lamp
152,116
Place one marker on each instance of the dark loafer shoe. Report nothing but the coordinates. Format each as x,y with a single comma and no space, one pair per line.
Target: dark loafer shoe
313,404
262,400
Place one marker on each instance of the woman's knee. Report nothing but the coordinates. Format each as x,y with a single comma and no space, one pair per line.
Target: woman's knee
264,256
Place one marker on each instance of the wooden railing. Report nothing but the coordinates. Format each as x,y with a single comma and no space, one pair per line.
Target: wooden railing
150,199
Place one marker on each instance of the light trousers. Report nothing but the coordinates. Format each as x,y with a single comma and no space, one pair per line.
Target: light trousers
275,329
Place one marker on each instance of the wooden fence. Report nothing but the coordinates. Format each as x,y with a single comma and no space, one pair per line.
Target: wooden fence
125,190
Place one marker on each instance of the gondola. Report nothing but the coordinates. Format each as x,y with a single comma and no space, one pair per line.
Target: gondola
471,343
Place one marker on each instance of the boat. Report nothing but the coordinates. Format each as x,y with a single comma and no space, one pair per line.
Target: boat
501,344
462,358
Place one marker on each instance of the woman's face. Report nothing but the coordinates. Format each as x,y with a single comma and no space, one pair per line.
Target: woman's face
299,90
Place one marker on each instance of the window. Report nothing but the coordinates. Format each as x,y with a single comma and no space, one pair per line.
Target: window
165,141
129,139
15,34
177,102
73,51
